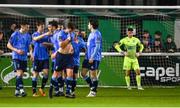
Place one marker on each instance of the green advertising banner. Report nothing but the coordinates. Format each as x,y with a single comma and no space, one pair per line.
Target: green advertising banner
110,72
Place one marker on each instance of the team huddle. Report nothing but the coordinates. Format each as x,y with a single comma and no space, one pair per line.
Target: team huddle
65,54
63,47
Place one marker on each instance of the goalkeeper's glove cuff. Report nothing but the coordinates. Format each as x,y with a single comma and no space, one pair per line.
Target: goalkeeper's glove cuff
140,53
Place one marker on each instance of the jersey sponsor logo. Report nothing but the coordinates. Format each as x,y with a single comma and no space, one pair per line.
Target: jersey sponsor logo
169,74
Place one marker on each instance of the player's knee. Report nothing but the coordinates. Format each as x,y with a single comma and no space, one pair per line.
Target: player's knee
128,73
83,74
138,72
45,71
69,73
19,73
93,74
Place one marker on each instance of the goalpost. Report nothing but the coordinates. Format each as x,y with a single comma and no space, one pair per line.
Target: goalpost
157,68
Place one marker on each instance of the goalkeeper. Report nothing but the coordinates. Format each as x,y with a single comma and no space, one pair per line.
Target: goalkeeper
130,60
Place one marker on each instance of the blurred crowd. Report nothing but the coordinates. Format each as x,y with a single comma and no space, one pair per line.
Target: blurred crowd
5,35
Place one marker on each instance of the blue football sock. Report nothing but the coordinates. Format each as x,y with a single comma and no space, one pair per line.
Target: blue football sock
69,83
60,82
94,84
54,83
44,81
88,80
74,84
19,82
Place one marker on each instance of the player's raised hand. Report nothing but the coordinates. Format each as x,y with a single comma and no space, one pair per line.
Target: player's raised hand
20,52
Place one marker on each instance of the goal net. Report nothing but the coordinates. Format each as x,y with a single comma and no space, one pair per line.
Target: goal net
159,62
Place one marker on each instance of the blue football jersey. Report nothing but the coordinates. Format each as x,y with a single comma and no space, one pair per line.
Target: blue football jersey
77,46
40,52
93,39
21,42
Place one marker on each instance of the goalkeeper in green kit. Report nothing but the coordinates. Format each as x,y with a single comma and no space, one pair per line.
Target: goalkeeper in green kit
130,59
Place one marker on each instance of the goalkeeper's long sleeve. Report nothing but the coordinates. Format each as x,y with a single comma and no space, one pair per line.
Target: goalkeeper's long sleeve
141,47
118,47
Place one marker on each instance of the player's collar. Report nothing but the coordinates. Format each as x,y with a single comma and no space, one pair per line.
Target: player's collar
130,37
55,30
94,30
40,32
21,32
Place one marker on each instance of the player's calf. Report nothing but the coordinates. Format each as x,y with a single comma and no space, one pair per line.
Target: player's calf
61,85
34,85
19,87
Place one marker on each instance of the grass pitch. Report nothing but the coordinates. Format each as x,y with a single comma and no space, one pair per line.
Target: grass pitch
106,97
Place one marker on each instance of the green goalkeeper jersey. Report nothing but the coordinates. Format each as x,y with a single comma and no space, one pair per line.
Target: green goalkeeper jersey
130,46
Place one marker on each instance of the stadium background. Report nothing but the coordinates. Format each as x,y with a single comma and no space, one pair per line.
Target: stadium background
113,24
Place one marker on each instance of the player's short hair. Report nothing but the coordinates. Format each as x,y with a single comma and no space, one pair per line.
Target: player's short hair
158,33
70,25
169,36
130,29
39,23
60,23
94,23
54,23
145,31
24,23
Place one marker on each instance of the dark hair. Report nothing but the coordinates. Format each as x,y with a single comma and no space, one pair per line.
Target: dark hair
70,25
94,23
24,23
130,29
54,23
39,23
60,23
158,33
145,31
169,36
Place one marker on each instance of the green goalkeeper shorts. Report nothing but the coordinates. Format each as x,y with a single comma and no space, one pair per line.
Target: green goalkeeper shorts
130,64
